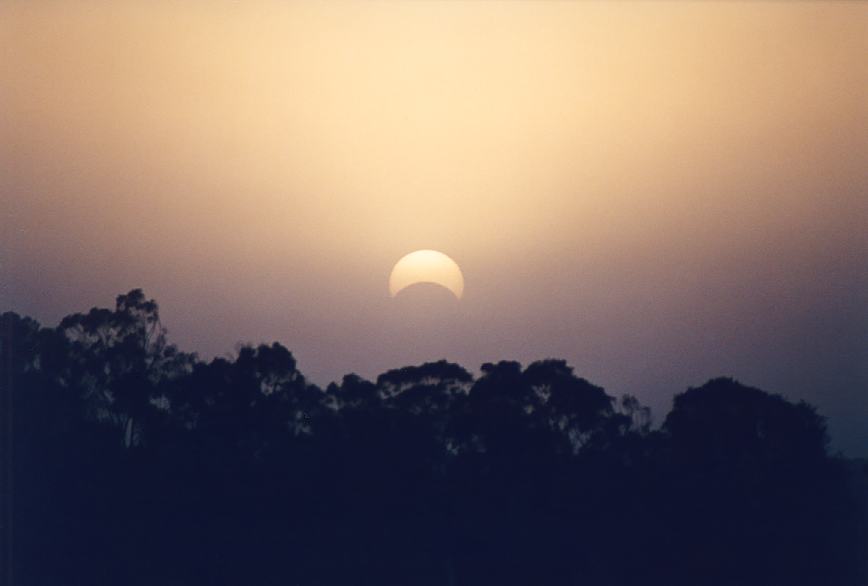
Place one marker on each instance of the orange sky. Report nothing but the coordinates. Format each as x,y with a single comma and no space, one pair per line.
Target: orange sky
658,192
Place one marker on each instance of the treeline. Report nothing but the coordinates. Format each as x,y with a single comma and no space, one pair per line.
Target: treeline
134,463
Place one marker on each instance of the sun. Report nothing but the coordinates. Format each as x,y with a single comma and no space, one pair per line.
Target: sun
426,266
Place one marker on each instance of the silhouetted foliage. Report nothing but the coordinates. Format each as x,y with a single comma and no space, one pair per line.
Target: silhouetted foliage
136,463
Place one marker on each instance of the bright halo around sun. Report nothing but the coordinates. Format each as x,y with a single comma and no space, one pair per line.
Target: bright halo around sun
426,266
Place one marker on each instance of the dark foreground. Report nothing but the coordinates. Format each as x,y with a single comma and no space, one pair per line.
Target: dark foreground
135,464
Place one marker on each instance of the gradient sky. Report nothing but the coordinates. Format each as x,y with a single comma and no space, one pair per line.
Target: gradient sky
657,192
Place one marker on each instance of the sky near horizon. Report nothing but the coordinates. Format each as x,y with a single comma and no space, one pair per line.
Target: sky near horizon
657,192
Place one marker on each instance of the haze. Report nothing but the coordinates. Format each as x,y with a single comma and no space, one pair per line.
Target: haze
657,192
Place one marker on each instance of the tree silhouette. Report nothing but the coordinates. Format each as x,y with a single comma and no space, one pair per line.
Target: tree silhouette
136,463
754,479
119,359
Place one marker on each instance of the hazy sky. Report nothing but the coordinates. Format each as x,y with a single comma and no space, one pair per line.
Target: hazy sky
657,192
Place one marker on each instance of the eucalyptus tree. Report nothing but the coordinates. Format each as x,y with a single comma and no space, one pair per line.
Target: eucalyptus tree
119,359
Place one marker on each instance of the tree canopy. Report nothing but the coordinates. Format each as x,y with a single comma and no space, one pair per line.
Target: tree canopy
137,463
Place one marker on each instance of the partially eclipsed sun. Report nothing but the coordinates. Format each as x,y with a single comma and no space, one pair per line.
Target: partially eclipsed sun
426,266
